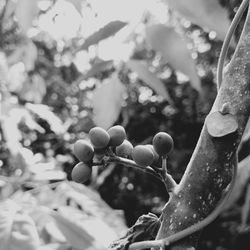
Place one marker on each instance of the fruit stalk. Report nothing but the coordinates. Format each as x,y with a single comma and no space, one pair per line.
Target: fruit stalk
169,182
132,164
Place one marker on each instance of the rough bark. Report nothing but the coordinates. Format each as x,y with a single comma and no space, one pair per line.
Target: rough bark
210,168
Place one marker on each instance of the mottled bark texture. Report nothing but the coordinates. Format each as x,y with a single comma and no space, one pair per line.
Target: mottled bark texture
210,168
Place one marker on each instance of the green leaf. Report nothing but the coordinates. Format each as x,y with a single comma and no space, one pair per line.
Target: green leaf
77,236
77,4
242,179
84,230
173,50
92,204
17,229
33,89
149,78
108,30
45,113
98,68
3,67
7,213
246,134
207,14
107,102
29,55
9,125
25,12
219,124
16,76
145,228
10,10
245,210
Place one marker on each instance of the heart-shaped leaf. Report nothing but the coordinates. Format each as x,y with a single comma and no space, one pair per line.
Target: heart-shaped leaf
219,124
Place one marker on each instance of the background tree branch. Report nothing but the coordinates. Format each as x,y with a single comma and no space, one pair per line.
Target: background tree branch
210,168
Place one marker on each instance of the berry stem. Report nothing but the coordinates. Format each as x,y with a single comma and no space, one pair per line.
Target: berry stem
110,152
164,164
98,163
168,180
130,163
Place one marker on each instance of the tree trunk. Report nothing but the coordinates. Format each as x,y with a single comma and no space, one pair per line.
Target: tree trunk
210,168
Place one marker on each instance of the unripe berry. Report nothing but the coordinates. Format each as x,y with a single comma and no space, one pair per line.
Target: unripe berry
125,149
163,143
83,150
156,156
99,137
117,135
81,172
142,155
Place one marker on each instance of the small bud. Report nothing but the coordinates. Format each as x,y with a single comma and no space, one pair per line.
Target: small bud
225,109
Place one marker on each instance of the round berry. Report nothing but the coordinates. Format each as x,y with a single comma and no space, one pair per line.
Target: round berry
81,172
99,137
117,135
142,155
83,150
163,143
125,149
156,156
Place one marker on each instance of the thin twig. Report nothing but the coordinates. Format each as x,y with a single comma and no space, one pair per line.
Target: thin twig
130,163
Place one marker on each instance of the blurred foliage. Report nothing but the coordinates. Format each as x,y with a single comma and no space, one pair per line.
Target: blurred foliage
51,72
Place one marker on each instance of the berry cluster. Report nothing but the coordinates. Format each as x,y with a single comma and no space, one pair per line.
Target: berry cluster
112,146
